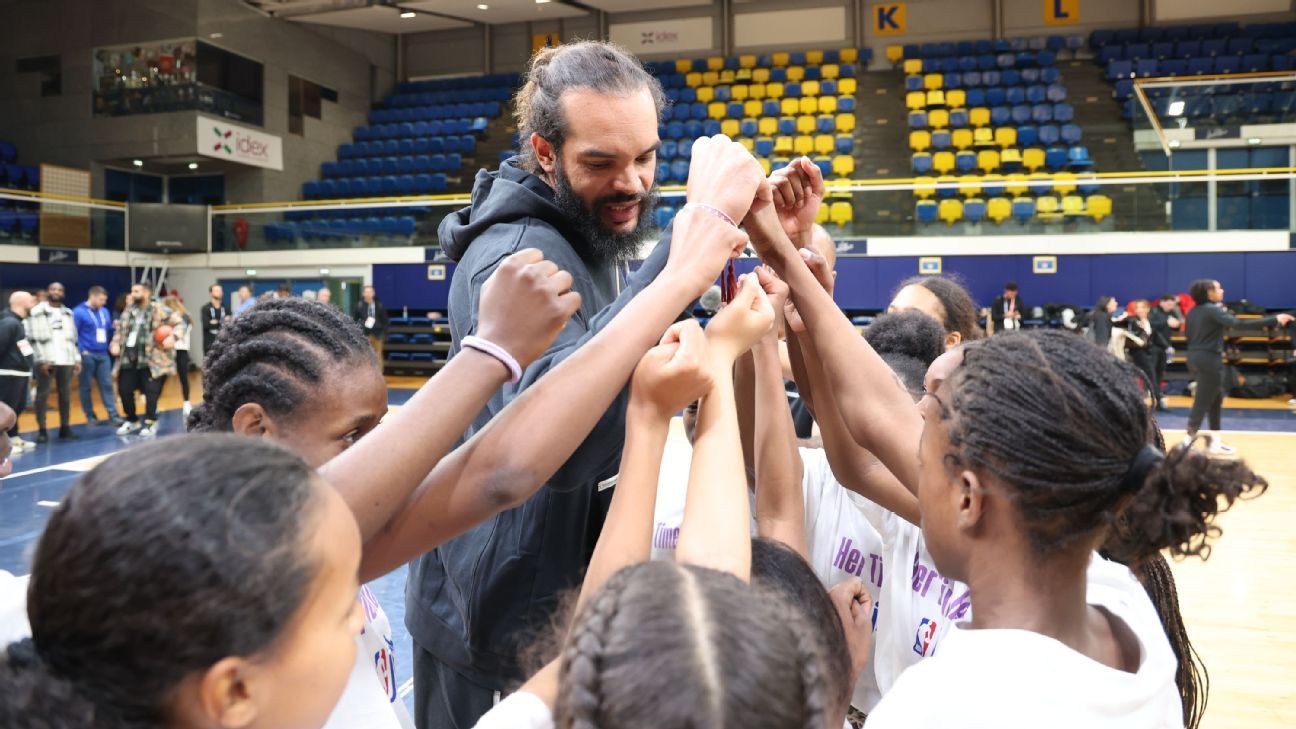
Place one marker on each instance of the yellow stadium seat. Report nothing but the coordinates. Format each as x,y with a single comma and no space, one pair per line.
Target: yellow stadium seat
841,213
924,187
988,160
1033,159
935,97
706,94
821,216
805,125
803,144
743,74
956,98
943,162
1036,178
950,211
1098,207
694,79
730,127
727,76
938,118
711,78
1047,208
715,63
983,137
999,209
683,65
747,60
894,54
756,91
717,110
915,100
1073,205
740,92
765,165
913,65
845,123
790,106
809,104
783,144
971,186
1016,185
1010,158
843,165
809,88
760,75
933,81
796,73
767,126
774,90
846,87
979,116
827,104
830,70
747,144
920,140
824,143
1006,137
851,55
752,108
1064,183
781,59
814,58
961,138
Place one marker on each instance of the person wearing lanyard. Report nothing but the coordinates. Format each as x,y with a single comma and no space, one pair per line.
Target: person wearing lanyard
144,361
1006,309
94,326
214,316
373,318
52,331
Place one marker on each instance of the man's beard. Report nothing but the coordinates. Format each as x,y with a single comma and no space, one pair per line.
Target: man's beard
604,246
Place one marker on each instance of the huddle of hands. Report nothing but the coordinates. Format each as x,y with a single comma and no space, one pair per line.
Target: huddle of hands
528,300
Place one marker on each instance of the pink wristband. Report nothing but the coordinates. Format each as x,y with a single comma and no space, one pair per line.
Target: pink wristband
488,347
713,210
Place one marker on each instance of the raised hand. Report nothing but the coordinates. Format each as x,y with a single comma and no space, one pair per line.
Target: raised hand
525,304
724,175
798,190
776,289
701,245
855,609
1285,319
672,374
741,324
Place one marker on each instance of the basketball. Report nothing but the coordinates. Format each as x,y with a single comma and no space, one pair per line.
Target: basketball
162,333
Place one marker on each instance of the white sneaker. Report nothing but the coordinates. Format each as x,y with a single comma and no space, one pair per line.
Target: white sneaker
148,431
1292,402
186,409
1219,448
18,445
127,428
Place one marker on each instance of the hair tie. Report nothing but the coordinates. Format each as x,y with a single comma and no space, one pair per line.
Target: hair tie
1143,461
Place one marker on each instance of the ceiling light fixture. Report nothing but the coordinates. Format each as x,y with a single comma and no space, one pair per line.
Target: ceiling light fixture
138,163
1176,108
483,7
1253,140
193,165
542,2
409,14
1174,144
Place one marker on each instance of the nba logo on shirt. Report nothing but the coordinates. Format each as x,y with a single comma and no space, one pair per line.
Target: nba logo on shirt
925,637
385,664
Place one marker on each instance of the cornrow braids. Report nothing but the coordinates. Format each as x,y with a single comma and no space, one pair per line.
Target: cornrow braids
272,354
1059,423
583,657
814,691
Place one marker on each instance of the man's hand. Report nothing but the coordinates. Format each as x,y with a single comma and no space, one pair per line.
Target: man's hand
114,349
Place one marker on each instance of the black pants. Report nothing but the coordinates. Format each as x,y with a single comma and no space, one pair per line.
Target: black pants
1142,359
13,392
445,699
1208,370
1158,367
182,366
62,376
132,379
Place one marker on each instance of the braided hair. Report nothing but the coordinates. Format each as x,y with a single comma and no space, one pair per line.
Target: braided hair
669,646
960,311
273,354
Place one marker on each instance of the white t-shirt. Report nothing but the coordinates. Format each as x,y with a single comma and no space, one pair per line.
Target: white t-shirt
518,710
1007,679
13,609
370,699
843,544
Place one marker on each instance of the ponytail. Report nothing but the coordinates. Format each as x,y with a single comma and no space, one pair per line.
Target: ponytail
34,697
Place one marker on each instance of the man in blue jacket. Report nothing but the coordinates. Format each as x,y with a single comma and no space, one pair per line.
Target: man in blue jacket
582,192
94,324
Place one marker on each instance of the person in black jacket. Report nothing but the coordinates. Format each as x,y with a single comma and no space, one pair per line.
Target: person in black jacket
16,358
213,315
1102,318
582,192
372,317
1166,319
1006,311
1141,347
1208,322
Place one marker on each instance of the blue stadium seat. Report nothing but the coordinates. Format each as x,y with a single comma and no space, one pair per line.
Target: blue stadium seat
1063,112
846,104
917,120
965,161
1078,158
1119,69
976,97
1049,134
1022,114
941,139
1071,134
1000,115
974,211
958,118
921,163
925,211
1023,209
1027,135
1055,158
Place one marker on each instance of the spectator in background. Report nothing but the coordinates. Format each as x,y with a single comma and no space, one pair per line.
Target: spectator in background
52,330
214,317
1102,319
94,324
1142,344
15,362
8,419
1006,311
309,294
147,356
41,295
245,300
372,317
283,292
182,335
1166,319
326,296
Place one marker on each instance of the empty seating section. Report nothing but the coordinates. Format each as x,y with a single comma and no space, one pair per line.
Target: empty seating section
984,118
18,219
1200,50
778,105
